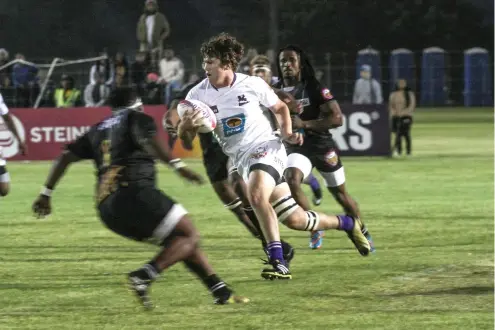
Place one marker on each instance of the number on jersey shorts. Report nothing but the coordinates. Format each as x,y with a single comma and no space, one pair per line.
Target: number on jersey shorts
269,156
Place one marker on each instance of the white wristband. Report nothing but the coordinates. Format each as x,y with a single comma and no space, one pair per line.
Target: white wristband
177,163
46,192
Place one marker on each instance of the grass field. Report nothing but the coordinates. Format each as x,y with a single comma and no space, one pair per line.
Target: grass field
431,217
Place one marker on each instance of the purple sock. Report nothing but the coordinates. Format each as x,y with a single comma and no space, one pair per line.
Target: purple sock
345,222
313,182
275,251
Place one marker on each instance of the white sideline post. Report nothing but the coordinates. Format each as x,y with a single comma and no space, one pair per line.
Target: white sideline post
47,78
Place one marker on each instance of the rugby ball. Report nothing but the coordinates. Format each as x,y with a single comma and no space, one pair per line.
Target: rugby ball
208,120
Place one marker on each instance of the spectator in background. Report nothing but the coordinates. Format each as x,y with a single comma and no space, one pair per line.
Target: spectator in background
105,70
153,90
48,97
121,68
139,70
171,73
67,96
96,95
152,30
367,90
7,91
244,64
401,104
25,81
5,73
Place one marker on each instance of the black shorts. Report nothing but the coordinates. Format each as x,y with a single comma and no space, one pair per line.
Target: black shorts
141,213
395,123
322,153
216,163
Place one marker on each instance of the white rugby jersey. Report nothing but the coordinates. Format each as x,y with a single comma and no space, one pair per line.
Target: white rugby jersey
241,122
3,107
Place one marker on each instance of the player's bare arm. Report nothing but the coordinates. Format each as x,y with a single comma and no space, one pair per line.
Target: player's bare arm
156,147
42,206
282,113
11,126
330,117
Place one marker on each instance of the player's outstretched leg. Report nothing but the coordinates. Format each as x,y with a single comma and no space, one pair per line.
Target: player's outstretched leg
180,245
339,192
4,176
260,188
294,176
294,217
240,188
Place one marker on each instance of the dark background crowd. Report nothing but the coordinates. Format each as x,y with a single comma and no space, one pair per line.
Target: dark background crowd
154,44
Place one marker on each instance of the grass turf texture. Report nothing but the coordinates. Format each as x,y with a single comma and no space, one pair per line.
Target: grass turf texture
431,217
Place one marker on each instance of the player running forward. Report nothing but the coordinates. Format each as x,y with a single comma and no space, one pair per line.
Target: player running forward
9,122
123,147
319,112
260,66
231,189
246,136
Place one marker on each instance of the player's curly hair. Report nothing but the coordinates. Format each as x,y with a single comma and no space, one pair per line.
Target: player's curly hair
224,47
307,70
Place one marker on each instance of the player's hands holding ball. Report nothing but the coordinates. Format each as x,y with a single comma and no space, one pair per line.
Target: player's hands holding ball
42,206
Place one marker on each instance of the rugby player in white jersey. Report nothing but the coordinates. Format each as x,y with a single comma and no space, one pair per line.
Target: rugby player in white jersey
8,121
246,136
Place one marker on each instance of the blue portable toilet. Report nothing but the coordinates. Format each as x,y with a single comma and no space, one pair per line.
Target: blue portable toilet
433,90
370,57
401,66
477,78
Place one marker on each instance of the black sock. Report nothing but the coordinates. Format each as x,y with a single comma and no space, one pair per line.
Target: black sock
149,271
254,220
216,286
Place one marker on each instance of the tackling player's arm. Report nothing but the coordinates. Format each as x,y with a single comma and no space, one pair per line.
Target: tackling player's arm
330,113
143,131
76,151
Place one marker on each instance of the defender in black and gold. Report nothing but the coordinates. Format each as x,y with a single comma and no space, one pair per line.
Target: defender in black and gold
123,148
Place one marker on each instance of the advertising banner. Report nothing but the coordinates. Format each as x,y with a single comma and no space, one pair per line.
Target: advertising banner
365,131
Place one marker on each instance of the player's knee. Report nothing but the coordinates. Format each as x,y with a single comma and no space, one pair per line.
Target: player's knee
293,177
257,198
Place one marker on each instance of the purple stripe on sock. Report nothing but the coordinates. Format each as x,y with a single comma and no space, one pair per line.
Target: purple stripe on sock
345,222
275,251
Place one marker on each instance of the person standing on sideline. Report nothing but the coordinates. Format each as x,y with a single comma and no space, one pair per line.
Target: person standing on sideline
367,90
402,103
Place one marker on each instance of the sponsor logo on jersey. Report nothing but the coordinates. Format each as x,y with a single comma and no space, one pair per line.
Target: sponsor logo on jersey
233,125
301,103
242,100
7,139
259,153
332,158
325,92
214,109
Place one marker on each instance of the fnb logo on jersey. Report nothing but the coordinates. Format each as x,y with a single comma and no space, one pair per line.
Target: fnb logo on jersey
7,139
233,125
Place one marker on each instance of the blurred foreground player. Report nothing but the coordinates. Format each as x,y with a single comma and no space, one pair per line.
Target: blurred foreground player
9,122
319,112
123,147
225,180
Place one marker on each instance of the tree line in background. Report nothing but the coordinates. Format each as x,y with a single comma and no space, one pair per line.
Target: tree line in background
75,29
